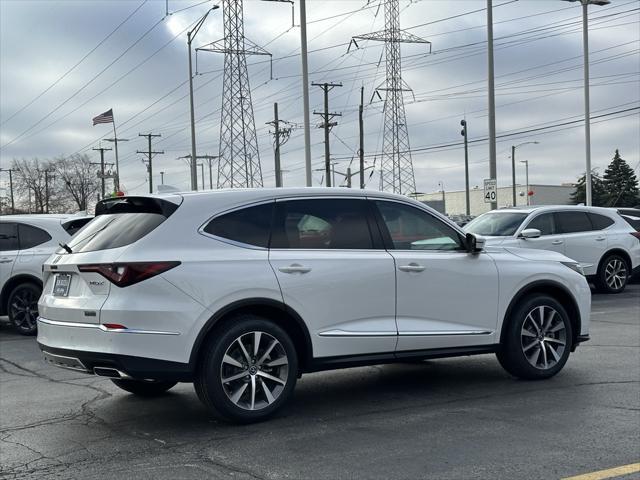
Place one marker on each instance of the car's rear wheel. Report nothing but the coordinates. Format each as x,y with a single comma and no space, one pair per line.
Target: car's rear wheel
613,274
248,369
538,338
144,388
23,308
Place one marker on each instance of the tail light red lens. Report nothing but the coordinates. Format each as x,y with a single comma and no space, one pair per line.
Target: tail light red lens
125,274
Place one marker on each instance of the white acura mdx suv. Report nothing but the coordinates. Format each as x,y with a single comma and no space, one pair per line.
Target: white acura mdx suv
601,240
242,291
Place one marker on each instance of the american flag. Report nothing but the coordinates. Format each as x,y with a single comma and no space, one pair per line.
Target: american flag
106,117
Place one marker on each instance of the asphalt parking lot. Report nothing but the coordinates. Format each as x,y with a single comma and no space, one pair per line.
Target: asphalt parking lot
443,419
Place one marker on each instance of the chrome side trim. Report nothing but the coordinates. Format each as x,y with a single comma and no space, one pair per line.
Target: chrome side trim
344,333
444,333
101,327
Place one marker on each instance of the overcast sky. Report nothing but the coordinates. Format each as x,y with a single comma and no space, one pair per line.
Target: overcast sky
141,72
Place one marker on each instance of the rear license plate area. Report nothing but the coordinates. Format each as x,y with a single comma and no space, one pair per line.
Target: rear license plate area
61,285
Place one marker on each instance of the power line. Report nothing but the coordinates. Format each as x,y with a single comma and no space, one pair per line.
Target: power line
64,75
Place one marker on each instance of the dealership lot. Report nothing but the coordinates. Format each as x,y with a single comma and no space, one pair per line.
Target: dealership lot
454,418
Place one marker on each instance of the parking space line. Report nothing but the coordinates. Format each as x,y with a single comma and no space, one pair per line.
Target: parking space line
609,473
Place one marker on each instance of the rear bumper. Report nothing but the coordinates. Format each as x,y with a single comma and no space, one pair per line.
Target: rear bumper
130,366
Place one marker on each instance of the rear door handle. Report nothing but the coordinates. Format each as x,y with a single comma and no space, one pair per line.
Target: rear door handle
6,260
412,267
600,239
557,242
295,268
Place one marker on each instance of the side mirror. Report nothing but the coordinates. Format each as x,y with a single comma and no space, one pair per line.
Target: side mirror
475,243
530,233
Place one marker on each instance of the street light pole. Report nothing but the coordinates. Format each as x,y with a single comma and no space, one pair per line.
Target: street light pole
305,91
493,169
587,106
513,168
190,36
526,164
466,166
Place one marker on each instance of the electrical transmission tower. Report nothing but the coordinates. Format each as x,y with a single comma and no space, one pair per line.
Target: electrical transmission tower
239,159
396,168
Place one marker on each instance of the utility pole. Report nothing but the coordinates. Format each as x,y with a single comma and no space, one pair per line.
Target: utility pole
116,176
305,91
161,178
327,124
361,128
209,159
201,165
526,165
493,170
46,189
466,166
101,150
150,153
10,170
280,137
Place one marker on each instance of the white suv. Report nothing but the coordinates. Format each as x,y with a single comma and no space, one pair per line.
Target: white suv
605,245
242,291
26,241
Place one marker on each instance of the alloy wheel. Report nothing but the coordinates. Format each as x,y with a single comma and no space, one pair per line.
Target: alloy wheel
615,273
543,337
23,309
254,370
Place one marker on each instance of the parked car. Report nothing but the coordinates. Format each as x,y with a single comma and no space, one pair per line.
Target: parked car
26,241
599,239
242,291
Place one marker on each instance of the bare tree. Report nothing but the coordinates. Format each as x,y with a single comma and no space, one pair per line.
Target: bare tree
78,179
36,187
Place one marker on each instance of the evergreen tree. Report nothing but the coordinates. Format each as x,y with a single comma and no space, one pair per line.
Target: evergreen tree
598,191
621,184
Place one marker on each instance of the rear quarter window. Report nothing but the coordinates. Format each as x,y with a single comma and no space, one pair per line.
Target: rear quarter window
72,226
31,236
250,226
600,222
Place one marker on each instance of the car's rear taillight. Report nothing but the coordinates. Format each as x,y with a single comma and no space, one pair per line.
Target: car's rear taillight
125,274
636,234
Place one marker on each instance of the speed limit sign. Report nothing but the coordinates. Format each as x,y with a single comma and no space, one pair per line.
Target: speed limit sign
490,190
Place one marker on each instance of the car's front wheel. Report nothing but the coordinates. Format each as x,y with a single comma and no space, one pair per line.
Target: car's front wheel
144,388
538,338
23,308
248,369
613,274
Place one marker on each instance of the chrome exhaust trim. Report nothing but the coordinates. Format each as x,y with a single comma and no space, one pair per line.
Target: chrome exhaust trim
109,372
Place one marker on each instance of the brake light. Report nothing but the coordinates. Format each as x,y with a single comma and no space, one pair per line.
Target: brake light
125,274
636,234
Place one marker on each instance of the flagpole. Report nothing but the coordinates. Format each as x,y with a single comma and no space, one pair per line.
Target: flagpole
116,184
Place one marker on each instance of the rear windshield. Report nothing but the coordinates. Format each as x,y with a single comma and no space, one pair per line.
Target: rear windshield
633,221
496,224
72,226
120,222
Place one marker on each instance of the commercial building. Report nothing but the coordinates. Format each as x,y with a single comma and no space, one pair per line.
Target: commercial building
455,202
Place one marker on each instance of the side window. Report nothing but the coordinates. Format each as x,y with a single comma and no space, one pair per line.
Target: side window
573,222
414,229
31,236
544,223
8,237
600,222
322,224
251,225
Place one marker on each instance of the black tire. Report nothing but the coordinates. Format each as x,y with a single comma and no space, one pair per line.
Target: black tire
22,308
604,281
513,353
144,388
222,344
